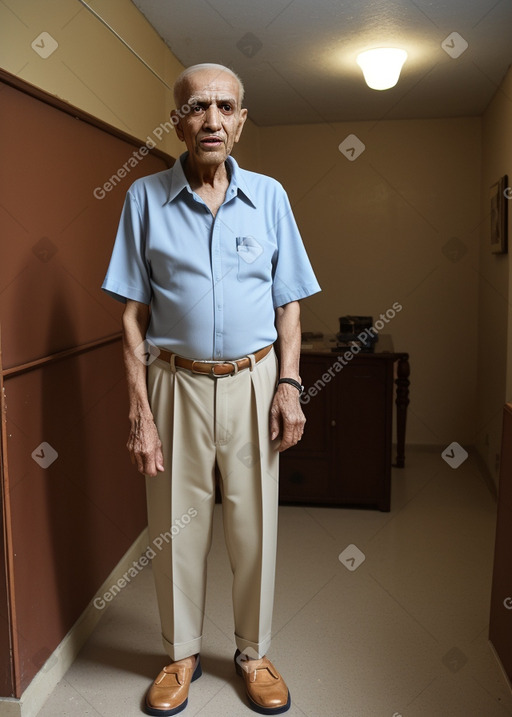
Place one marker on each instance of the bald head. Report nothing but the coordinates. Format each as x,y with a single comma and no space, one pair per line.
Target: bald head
213,70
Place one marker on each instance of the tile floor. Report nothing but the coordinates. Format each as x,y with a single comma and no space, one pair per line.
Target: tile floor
402,634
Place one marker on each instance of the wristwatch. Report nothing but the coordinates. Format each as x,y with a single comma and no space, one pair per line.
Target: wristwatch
292,382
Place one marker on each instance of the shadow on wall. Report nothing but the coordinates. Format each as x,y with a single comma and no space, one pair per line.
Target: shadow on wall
52,511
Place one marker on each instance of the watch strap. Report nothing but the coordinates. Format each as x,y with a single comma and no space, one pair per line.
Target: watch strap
292,382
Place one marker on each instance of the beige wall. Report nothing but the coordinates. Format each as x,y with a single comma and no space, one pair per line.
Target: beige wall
494,277
375,229
93,70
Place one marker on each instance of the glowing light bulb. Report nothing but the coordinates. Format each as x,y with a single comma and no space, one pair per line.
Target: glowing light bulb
381,67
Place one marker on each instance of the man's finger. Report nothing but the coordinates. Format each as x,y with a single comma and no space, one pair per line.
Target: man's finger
139,462
149,466
292,433
274,425
287,439
159,460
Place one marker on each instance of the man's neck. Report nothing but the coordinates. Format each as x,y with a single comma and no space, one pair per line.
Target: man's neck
210,178
210,183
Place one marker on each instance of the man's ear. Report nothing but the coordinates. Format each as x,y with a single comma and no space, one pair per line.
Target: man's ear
241,122
176,120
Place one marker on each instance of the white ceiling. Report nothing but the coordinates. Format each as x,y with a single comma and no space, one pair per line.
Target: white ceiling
297,57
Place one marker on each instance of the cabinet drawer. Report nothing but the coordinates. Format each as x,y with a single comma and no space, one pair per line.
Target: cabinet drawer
302,480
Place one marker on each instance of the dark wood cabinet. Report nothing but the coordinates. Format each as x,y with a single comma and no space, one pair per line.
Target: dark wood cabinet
344,457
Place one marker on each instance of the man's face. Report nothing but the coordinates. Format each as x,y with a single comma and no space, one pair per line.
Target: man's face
215,120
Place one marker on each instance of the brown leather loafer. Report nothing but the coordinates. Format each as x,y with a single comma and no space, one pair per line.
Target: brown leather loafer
168,695
265,688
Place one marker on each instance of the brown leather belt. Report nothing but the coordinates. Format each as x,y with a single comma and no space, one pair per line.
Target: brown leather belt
213,368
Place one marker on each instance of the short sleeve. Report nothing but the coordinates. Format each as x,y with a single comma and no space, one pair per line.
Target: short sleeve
128,275
293,277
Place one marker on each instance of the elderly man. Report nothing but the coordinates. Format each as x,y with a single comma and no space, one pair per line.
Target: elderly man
211,266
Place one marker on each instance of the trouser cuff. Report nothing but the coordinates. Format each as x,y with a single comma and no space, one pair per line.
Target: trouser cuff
182,649
253,650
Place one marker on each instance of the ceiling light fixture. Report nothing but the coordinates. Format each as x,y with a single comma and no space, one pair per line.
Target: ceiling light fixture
381,67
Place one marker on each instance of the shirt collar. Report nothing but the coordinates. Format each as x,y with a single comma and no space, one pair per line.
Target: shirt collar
178,181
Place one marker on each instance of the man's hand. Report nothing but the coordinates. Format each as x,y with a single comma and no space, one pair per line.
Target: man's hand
286,417
145,446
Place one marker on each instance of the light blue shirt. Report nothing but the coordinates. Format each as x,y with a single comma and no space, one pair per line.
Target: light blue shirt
213,283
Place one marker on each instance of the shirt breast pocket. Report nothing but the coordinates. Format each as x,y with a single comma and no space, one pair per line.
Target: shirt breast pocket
251,257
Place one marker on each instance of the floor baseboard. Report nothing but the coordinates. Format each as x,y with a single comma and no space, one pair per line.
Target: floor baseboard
66,652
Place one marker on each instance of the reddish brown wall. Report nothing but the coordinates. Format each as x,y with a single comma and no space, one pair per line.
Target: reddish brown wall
6,663
68,524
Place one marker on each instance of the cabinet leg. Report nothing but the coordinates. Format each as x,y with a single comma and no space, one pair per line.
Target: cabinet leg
402,401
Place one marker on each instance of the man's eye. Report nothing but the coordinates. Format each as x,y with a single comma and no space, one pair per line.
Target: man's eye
226,108
197,109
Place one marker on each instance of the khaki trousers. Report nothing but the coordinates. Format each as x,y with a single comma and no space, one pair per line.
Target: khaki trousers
203,421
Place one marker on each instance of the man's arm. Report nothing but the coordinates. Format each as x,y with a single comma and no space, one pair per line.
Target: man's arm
143,442
286,416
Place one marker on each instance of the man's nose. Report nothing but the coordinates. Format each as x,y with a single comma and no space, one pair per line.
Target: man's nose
212,117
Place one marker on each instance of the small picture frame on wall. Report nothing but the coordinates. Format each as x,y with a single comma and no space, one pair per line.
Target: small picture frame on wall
499,215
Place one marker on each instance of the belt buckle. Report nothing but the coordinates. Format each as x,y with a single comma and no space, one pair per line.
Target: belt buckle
223,375
195,370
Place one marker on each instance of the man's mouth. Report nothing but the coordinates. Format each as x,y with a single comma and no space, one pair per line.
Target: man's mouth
211,142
